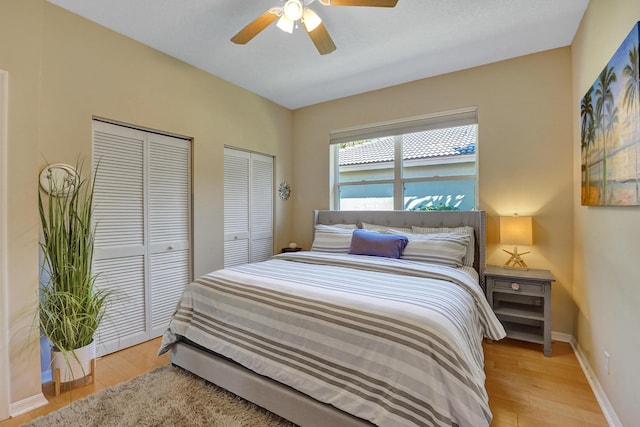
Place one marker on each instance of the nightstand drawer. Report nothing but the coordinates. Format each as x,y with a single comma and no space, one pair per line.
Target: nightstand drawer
519,286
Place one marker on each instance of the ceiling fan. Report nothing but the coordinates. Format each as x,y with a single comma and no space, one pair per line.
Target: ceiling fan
298,10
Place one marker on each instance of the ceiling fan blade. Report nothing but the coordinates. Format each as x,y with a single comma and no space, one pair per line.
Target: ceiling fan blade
321,38
371,3
257,25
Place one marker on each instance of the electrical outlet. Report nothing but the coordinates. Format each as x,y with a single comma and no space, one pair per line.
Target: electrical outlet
606,363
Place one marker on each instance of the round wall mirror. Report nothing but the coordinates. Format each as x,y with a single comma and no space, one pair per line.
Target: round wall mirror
58,179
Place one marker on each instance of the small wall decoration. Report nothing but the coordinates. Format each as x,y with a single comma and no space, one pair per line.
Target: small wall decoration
59,179
610,130
284,191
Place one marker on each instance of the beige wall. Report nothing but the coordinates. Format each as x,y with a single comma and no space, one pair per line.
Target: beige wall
22,21
607,239
524,151
64,70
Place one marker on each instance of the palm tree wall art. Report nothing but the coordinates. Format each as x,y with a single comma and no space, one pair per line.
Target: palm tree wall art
610,130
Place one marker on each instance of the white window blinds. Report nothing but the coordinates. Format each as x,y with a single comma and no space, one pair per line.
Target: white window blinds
460,117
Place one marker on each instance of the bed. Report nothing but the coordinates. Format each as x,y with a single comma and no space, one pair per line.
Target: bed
330,338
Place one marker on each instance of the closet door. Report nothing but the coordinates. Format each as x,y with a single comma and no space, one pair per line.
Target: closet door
261,208
248,207
169,182
119,210
142,245
236,207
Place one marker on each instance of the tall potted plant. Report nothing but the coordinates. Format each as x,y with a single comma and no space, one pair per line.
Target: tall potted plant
71,307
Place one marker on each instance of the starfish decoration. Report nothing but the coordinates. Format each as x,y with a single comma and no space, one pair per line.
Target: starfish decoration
515,259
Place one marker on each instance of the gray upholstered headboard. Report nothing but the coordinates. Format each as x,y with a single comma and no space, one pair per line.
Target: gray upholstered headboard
475,219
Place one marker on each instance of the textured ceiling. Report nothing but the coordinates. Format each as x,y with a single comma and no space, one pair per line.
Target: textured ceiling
376,47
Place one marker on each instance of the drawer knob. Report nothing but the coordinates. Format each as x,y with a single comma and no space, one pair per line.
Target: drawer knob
515,286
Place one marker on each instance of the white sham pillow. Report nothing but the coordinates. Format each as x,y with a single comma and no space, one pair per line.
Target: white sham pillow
345,226
440,248
332,238
470,254
384,228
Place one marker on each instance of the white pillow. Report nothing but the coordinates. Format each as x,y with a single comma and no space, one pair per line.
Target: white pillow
384,228
345,226
440,248
469,256
331,238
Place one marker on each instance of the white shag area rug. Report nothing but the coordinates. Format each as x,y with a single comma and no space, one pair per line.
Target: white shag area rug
167,396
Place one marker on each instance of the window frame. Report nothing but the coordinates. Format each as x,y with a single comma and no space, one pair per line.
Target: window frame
396,128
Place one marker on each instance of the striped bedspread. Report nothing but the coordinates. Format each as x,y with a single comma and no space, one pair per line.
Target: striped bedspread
394,342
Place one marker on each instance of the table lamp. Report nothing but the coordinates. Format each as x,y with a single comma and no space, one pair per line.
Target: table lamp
516,230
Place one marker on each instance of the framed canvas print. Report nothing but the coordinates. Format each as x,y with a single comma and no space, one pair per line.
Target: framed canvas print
610,130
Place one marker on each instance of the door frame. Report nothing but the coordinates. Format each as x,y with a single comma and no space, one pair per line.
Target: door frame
4,283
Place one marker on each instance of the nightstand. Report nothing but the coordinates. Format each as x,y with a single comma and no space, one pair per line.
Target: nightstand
521,299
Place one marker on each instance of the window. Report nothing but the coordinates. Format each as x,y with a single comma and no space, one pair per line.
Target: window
422,163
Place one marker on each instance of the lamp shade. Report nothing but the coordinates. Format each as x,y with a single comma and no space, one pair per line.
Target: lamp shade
516,230
285,24
311,20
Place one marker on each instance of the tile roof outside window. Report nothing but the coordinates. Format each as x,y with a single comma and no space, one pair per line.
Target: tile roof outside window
446,142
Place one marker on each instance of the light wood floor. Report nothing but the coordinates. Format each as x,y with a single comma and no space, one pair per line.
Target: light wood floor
525,388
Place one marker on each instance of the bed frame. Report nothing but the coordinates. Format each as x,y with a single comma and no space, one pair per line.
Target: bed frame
283,400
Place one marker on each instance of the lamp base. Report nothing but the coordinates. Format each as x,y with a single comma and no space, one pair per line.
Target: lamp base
515,261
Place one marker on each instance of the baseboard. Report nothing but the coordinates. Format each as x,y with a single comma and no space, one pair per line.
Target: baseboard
26,405
598,391
562,337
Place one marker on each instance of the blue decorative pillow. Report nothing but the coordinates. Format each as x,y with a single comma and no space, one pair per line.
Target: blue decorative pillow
377,244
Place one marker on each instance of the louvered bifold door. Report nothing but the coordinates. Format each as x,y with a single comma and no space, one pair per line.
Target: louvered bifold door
236,207
261,208
119,259
169,203
142,243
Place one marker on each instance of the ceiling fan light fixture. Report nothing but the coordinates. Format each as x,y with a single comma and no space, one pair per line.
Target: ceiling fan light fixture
293,10
285,24
311,19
